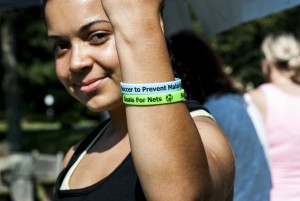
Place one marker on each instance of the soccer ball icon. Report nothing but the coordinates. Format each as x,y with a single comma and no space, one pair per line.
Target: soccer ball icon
169,98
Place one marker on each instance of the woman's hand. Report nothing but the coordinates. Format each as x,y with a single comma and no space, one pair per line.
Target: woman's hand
139,39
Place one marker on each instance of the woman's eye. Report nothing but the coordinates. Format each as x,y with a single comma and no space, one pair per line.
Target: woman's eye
98,38
60,47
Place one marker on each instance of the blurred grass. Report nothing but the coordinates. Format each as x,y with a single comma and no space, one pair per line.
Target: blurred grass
50,137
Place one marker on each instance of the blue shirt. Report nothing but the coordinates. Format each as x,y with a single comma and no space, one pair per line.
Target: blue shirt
252,178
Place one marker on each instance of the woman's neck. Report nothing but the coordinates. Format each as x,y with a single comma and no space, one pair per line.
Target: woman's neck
118,119
281,77
282,80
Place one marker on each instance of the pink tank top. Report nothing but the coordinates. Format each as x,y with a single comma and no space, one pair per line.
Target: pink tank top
283,129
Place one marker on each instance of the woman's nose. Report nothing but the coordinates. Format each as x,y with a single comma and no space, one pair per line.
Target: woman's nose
79,59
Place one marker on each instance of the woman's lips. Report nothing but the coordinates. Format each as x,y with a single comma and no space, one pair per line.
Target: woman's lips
92,86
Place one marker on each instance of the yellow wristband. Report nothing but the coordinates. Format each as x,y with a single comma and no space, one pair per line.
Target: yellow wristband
153,99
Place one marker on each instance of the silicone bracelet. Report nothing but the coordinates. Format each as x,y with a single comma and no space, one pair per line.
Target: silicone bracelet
151,88
154,99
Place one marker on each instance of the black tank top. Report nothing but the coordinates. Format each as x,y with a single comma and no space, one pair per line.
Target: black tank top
121,185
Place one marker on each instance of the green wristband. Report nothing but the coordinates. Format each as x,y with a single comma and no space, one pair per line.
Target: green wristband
153,99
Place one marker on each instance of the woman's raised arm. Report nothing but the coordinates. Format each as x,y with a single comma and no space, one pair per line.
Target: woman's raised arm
171,161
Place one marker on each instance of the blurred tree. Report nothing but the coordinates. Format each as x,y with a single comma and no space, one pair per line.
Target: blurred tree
10,82
240,46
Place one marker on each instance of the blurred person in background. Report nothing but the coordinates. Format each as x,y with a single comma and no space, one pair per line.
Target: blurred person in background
204,79
278,100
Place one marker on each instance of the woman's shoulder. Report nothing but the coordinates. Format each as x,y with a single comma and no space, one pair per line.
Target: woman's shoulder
288,90
266,87
197,110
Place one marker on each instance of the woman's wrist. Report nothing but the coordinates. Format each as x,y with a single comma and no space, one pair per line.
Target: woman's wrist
144,57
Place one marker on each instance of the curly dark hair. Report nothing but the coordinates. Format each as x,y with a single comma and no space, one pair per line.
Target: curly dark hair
199,67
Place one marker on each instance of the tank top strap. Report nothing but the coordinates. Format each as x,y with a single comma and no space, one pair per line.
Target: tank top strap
86,145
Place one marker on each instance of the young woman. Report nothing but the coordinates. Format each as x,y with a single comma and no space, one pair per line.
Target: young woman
278,101
152,151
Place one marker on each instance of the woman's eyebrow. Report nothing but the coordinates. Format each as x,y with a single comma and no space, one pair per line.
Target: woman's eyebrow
88,25
81,29
53,37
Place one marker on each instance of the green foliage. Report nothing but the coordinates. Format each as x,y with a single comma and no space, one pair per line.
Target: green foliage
240,46
39,72
51,140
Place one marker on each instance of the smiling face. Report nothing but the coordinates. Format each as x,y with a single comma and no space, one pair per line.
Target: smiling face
85,53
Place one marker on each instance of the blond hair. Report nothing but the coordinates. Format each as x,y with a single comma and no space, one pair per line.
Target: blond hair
283,49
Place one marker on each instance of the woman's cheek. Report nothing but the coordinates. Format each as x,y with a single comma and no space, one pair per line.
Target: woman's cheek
62,75
110,57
